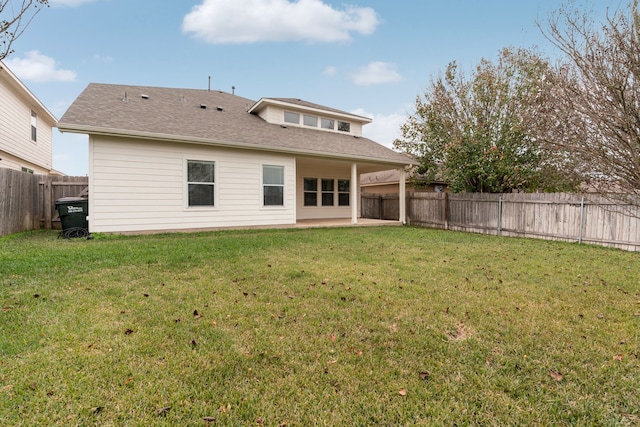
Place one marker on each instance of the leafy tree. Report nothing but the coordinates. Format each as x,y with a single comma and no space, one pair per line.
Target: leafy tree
597,92
15,16
474,132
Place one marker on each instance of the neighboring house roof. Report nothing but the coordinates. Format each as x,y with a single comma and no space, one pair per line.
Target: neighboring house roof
208,117
391,176
13,81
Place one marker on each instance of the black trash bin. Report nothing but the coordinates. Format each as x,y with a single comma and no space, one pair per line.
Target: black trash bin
73,212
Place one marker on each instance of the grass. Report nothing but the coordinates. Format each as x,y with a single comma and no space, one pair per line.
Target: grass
326,327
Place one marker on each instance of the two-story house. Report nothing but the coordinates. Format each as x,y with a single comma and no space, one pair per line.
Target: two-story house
176,159
25,127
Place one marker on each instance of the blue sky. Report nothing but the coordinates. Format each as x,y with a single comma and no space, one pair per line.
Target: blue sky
370,57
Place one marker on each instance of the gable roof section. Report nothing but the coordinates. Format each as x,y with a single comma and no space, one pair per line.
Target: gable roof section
207,117
14,82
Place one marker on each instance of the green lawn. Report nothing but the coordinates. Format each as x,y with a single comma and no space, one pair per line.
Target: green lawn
326,327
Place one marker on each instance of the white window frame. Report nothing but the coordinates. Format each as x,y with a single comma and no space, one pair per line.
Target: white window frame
324,124
305,191
310,118
34,126
341,123
283,185
291,113
348,192
213,184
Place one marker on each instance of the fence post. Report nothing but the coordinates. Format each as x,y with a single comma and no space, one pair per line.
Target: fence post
581,220
47,190
500,215
446,211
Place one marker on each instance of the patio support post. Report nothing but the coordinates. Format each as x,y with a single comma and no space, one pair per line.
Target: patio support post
353,193
402,197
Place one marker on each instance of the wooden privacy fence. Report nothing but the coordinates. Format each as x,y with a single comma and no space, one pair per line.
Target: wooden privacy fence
380,206
27,201
557,216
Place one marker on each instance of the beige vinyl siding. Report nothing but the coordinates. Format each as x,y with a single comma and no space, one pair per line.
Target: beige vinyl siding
272,114
12,162
333,170
142,186
15,131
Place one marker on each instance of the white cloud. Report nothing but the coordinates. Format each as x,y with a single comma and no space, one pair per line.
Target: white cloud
71,3
376,73
101,58
39,68
330,71
250,21
384,129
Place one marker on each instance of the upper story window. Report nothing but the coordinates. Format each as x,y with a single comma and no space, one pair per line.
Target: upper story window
316,121
327,124
310,121
34,126
344,126
291,117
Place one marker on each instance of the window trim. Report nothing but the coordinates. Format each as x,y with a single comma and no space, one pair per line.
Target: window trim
321,122
291,113
348,192
331,192
34,126
213,184
283,186
324,124
342,128
310,117
319,192
305,192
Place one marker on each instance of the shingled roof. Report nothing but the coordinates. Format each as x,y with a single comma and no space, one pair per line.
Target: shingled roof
208,117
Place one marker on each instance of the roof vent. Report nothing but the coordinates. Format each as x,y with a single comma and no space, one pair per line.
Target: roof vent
203,106
283,126
219,108
144,96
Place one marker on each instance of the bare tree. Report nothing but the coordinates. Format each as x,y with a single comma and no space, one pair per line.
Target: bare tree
15,17
597,96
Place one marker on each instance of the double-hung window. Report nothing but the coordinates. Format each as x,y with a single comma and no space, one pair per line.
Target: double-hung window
201,182
310,191
273,185
343,192
327,192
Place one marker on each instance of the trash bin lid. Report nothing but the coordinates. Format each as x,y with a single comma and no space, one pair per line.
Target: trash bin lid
64,200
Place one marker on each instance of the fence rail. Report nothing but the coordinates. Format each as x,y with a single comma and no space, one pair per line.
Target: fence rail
27,202
558,216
